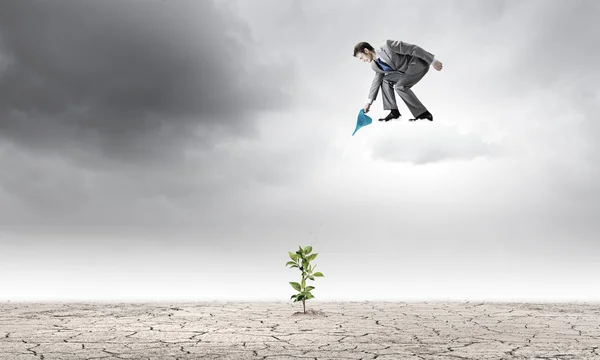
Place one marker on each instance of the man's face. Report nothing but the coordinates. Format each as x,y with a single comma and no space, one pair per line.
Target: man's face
366,56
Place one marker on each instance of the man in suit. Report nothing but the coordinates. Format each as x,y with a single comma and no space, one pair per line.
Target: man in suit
398,65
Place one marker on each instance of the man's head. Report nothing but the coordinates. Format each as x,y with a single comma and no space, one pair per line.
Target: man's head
364,52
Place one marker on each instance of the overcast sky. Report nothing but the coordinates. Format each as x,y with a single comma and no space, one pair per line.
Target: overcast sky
157,150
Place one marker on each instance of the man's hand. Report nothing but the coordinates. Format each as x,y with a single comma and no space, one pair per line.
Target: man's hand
367,107
437,65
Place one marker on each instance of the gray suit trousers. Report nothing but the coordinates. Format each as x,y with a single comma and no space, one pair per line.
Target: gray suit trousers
403,83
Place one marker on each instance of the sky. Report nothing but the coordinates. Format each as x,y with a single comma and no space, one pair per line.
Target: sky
154,150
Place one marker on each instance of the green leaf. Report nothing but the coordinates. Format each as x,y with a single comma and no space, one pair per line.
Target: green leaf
318,273
289,263
295,285
301,249
294,266
309,296
293,256
309,288
303,282
300,297
312,257
294,296
307,249
312,278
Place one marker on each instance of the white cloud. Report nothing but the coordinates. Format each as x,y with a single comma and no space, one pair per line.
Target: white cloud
425,142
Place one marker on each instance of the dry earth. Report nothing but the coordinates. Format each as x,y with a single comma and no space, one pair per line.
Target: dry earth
276,331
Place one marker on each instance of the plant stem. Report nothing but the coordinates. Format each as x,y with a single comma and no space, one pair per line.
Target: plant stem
304,305
304,299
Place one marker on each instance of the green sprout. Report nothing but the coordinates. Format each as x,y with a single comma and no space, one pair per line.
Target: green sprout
301,260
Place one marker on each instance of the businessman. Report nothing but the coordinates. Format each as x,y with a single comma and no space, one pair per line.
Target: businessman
398,66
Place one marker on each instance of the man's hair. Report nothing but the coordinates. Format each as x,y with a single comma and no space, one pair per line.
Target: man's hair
361,46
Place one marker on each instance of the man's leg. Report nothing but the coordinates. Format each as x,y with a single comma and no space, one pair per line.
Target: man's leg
411,100
389,101
403,87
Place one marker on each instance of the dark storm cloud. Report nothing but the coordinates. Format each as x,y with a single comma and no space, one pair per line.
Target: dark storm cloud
130,79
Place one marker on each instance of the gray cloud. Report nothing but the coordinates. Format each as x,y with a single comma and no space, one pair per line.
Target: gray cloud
124,113
210,187
556,55
130,81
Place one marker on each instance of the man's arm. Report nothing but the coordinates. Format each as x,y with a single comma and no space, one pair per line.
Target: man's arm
404,48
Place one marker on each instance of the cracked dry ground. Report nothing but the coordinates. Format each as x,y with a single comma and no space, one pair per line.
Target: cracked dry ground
276,331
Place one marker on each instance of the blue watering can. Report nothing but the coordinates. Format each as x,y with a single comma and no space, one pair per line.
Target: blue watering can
363,120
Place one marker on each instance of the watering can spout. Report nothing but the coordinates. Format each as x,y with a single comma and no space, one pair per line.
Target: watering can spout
363,120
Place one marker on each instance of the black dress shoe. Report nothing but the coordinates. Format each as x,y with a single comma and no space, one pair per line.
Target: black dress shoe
426,115
394,114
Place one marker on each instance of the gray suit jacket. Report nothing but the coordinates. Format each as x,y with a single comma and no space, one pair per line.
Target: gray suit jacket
408,59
